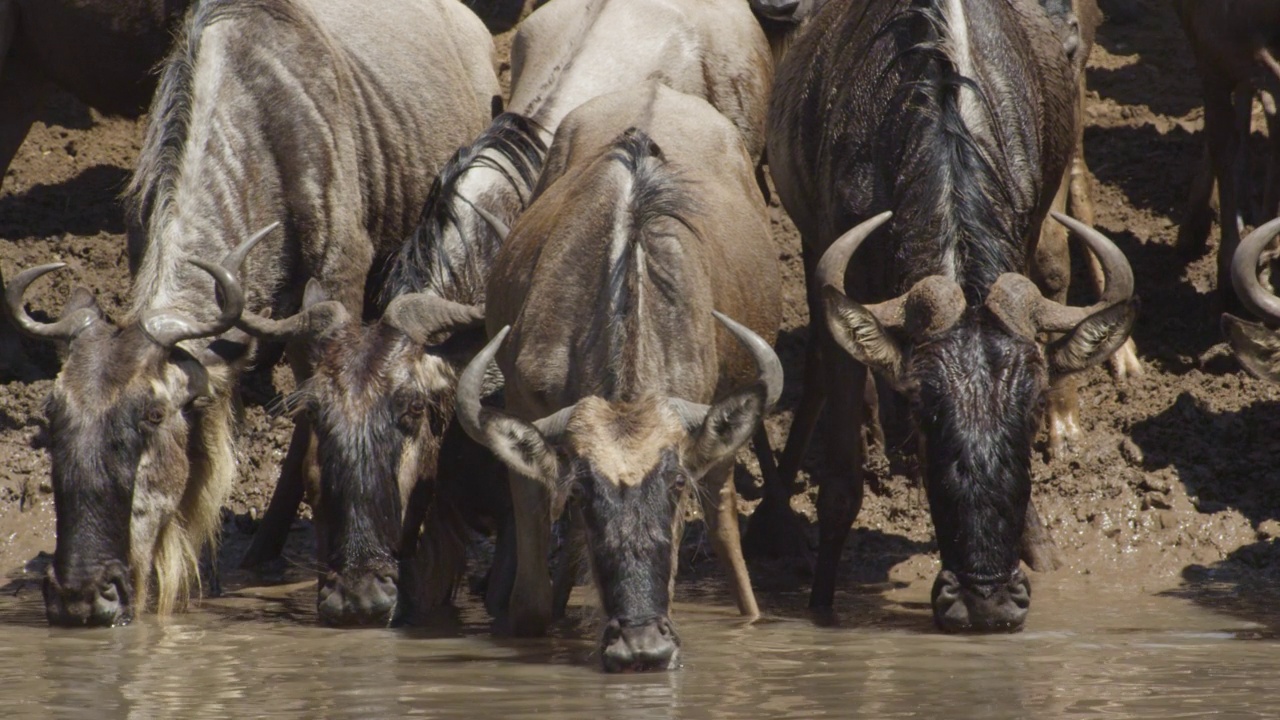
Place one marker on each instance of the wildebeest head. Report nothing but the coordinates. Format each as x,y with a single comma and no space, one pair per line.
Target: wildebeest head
379,398
133,418
1256,345
976,378
627,467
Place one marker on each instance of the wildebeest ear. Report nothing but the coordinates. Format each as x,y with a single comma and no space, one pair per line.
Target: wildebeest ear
80,299
1256,346
1094,339
232,349
727,426
520,445
864,338
314,294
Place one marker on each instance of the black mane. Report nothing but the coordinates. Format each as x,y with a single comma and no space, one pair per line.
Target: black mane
423,263
954,185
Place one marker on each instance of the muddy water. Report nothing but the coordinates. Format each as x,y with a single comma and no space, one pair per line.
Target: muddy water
1089,651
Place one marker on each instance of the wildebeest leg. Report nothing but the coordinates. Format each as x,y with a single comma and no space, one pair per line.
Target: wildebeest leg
1223,135
774,530
1124,362
273,531
763,181
22,87
720,509
501,577
805,419
1193,234
1038,549
1052,273
1271,193
529,612
840,485
570,566
210,568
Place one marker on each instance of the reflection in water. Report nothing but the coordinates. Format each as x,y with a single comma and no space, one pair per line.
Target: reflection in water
1088,651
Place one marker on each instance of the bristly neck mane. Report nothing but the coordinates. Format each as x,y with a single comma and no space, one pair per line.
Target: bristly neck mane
655,191
954,184
428,261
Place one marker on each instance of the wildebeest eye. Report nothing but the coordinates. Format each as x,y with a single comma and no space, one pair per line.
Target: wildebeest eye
416,407
155,414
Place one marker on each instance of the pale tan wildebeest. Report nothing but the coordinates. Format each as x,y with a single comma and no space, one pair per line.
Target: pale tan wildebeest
623,393
319,115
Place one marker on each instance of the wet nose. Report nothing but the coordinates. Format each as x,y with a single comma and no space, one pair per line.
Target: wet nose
101,602
652,645
777,9
367,599
976,607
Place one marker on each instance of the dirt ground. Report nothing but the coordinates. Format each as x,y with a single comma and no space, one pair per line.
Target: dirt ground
1174,488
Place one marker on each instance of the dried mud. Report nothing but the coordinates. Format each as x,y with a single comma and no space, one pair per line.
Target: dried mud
1174,487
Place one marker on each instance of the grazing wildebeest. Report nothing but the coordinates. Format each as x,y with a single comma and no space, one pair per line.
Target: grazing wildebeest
563,55
604,295
1235,46
1256,345
956,117
381,395
320,115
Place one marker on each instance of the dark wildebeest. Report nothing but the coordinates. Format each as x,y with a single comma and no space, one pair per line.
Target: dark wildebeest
380,401
1235,45
1256,345
956,116
320,115
562,55
604,294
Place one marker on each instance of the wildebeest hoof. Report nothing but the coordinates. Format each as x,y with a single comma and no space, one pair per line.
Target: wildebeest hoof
1064,435
1125,363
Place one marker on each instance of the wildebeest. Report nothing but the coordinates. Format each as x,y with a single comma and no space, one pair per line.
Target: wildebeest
320,115
620,392
1235,45
563,54
939,132
380,399
1256,345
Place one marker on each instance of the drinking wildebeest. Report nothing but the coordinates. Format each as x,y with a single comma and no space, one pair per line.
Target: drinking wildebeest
380,401
1235,45
319,115
919,109
604,295
1256,345
564,54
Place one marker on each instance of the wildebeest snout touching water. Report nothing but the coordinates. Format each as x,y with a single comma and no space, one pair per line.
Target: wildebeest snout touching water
617,399
288,111
956,116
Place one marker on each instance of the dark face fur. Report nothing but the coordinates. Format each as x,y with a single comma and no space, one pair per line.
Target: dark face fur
377,404
122,416
631,535
977,394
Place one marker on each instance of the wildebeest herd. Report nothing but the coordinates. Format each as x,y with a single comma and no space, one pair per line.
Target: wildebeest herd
558,307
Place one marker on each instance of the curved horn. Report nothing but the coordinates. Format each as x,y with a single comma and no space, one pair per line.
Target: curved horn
420,316
835,260
1016,300
1244,273
475,416
257,325
168,328
65,328
493,221
768,366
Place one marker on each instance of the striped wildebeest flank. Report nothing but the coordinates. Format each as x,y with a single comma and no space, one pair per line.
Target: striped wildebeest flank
320,116
621,394
934,135
1235,46
1256,345
562,55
